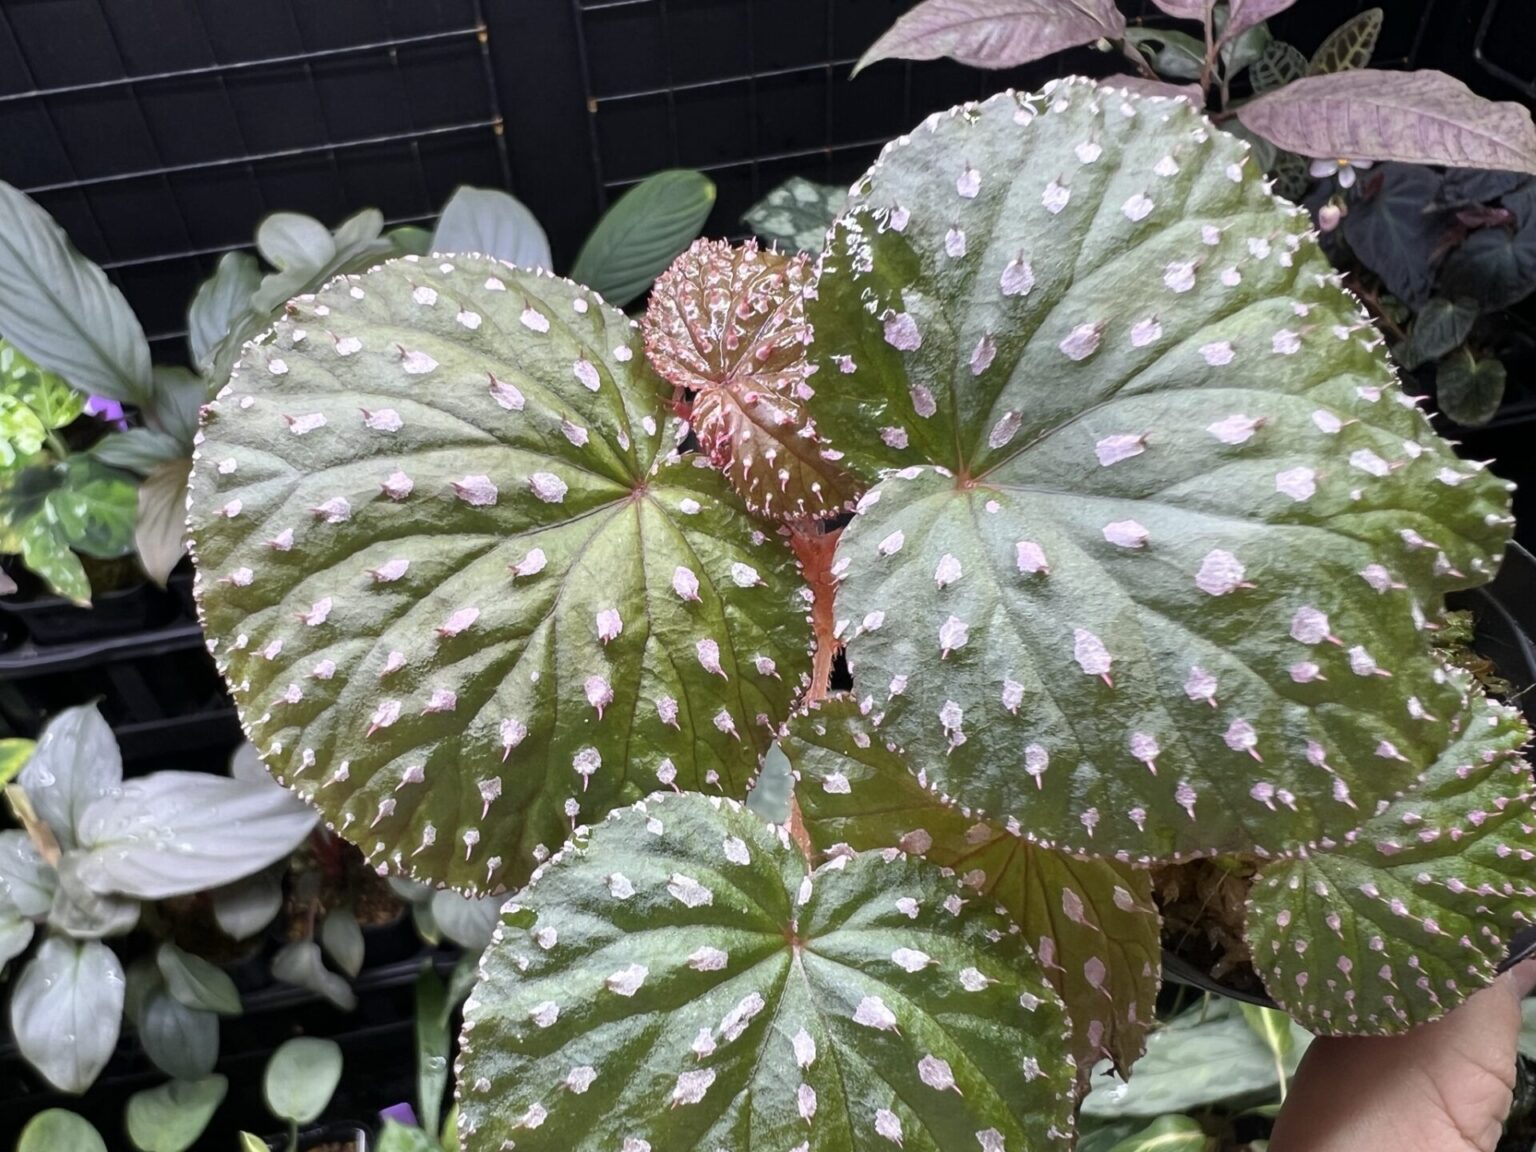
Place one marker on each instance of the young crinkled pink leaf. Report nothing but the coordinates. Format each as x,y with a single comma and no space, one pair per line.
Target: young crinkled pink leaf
726,326
995,33
1422,117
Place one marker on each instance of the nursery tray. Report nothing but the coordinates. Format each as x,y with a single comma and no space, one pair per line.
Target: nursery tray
1505,616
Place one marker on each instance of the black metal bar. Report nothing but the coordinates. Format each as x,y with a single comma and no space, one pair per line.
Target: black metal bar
244,65
744,78
488,69
769,157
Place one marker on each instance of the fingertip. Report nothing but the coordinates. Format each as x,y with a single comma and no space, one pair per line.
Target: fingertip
1523,977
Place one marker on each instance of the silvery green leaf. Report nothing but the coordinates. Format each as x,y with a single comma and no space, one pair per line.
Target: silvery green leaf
642,232
220,300
1203,1057
774,787
182,1042
62,311
170,1118
682,981
26,880
84,913
342,939
76,763
995,33
171,833
291,241
245,907
411,891
300,963
467,481
160,535
301,1077
796,214
467,921
67,1009
492,223
1149,506
15,935
196,982
58,1130
1420,117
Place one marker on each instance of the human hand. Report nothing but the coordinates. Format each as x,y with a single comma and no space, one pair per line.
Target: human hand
1445,1087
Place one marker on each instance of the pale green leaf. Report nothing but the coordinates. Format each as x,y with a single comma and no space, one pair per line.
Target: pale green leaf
301,1077
291,241
1469,390
196,982
58,1130
434,1045
26,879
680,982
162,527
170,1118
342,938
301,963
67,1009
182,1042
1146,486
1271,1026
15,751
220,301
1166,1134
138,450
492,223
478,602
76,763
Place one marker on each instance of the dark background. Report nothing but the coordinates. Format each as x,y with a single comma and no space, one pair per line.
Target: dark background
159,132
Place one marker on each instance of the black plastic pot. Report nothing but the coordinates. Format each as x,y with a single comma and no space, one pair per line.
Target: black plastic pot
1505,615
324,1135
50,620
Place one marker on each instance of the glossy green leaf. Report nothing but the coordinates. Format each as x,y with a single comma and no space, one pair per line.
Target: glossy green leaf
1400,923
1278,66
220,301
492,223
795,216
679,982
1160,516
1469,390
250,1143
78,505
60,309
397,1137
21,434
1271,1026
994,33
138,450
1171,52
182,1042
170,1118
301,1077
342,938
642,233
434,1046
1205,1056
1350,45
59,1130
1166,1134
726,327
1092,922
196,982
67,1009
1419,117
462,598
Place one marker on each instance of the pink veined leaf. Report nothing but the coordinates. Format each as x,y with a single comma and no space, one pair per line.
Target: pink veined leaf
995,33
1247,13
1423,117
1184,9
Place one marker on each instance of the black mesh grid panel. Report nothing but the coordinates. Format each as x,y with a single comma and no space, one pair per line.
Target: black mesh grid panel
159,132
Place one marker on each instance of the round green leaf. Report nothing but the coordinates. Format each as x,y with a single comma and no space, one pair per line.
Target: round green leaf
171,1117
67,1010
182,1042
58,1130
461,597
1150,572
196,982
642,233
492,223
1092,922
301,1078
291,241
1404,920
680,982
